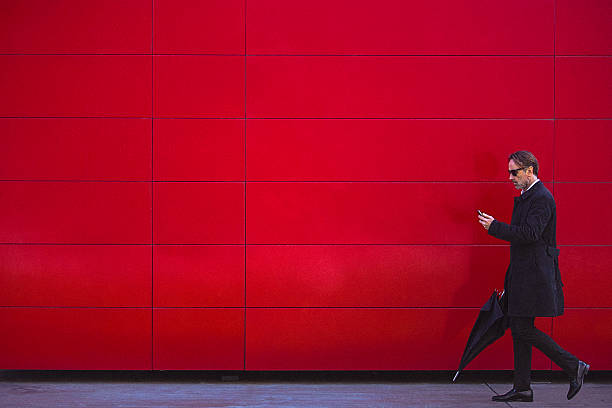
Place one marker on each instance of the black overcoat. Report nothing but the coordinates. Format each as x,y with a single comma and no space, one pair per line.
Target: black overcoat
533,281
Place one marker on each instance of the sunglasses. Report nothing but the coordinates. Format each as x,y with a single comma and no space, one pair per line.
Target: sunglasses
514,172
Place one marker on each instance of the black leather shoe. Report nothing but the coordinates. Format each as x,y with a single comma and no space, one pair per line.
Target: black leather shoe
576,383
514,395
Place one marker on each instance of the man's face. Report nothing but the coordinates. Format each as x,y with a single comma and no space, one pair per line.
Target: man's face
522,178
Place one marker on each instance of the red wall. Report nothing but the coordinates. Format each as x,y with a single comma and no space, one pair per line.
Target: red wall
270,184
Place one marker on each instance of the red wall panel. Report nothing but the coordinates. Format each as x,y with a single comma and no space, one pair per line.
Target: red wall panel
366,136
75,149
374,213
362,339
75,85
189,86
76,26
583,87
395,87
75,275
583,27
587,334
198,339
583,138
198,276
343,276
187,149
574,202
355,339
75,339
392,150
81,212
195,26
198,213
400,27
585,271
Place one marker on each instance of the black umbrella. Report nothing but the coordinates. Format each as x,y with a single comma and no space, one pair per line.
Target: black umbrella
490,326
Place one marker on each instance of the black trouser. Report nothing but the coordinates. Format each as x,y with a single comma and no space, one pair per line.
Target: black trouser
524,336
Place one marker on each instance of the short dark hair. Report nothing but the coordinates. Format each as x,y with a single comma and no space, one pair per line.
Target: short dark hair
523,158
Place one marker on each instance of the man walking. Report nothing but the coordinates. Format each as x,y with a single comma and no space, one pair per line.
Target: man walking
533,282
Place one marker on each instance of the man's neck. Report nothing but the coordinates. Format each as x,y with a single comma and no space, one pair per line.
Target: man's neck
535,180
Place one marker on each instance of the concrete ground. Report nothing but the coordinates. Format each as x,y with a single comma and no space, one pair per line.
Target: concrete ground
25,389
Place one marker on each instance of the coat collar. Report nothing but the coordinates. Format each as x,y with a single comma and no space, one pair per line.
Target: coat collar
529,192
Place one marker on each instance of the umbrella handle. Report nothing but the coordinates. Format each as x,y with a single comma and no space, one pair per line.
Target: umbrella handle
456,375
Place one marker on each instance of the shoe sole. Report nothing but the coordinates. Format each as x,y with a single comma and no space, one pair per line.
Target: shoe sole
513,399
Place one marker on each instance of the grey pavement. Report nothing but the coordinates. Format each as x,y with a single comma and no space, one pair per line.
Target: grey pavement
196,389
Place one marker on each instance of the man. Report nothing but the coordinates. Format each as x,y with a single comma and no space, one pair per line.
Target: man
533,283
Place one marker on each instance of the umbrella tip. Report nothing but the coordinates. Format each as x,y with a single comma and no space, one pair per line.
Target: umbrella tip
456,375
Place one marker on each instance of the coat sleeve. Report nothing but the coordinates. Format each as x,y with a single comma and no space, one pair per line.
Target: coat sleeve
538,217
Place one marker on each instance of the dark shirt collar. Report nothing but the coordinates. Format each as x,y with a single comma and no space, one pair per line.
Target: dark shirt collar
535,186
531,185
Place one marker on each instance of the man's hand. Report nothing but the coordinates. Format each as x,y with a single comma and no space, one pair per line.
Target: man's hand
485,220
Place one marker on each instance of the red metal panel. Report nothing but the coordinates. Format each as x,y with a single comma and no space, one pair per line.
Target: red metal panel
400,27
75,149
199,276
583,27
577,202
75,275
190,86
392,150
393,87
199,213
187,149
364,339
374,276
455,72
198,339
75,85
585,271
374,213
76,26
587,334
583,87
75,339
195,26
81,212
583,138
